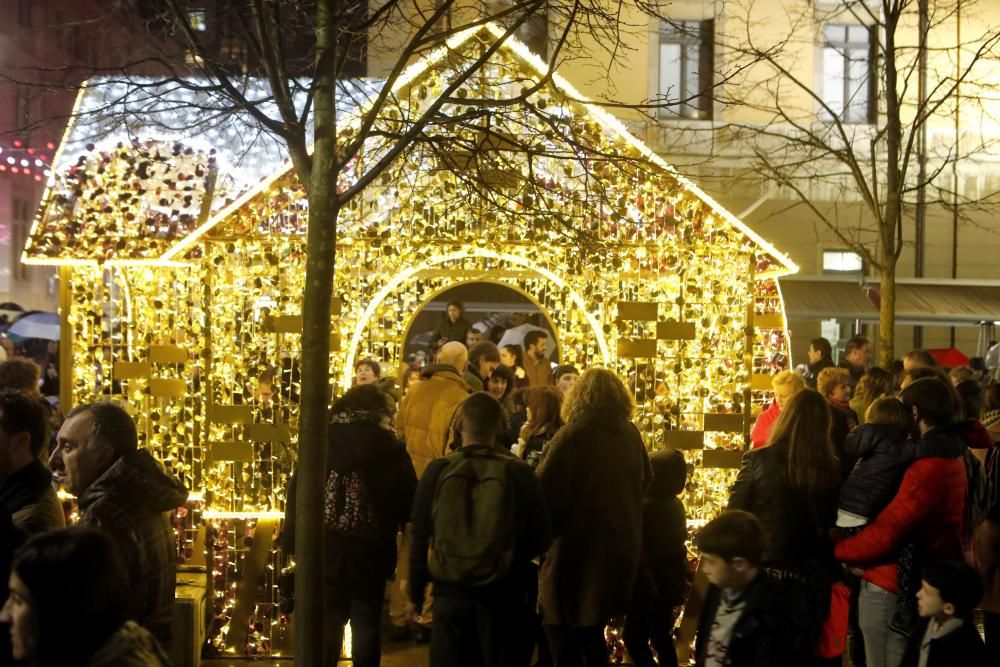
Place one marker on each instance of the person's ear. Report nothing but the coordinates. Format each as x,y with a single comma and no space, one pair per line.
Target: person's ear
949,609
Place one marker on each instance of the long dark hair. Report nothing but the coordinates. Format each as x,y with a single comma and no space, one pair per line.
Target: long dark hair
518,353
78,583
801,437
545,404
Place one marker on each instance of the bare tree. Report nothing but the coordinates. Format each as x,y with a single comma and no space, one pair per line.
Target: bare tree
853,147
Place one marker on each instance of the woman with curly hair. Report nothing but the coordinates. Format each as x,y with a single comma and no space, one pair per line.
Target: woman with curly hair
593,474
875,383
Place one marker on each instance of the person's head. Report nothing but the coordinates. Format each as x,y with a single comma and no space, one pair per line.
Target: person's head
93,437
802,436
20,374
918,359
484,358
501,382
598,391
366,398
820,349
931,402
543,405
454,354
411,376
669,473
970,394
786,384
480,419
978,367
874,383
898,372
890,411
834,384
512,355
263,391
731,546
22,431
564,377
67,596
473,337
921,372
858,351
496,334
367,371
455,310
535,343
949,590
961,374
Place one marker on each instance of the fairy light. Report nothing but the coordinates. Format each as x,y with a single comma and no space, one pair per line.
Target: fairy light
183,331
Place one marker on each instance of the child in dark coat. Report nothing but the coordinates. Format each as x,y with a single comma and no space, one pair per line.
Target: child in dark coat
947,635
664,574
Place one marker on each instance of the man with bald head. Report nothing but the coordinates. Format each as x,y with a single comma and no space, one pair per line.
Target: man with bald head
424,423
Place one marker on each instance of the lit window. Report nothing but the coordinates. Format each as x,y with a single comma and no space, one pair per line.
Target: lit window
848,76
198,20
842,261
685,65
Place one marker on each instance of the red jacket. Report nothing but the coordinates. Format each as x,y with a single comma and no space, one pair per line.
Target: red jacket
761,432
928,508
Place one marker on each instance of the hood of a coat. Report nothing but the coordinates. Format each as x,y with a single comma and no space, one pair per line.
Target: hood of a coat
137,478
946,442
864,440
669,473
130,646
438,369
356,443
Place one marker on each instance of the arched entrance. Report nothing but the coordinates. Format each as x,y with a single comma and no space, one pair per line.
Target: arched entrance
380,329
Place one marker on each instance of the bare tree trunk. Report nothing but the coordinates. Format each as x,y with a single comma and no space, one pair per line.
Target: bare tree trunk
890,218
320,246
887,315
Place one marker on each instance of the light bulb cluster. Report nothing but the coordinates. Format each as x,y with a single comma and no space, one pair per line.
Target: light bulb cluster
583,224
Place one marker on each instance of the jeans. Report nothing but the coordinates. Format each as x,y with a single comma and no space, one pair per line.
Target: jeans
577,646
883,646
479,633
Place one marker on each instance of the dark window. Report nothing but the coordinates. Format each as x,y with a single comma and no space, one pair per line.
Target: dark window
849,73
685,64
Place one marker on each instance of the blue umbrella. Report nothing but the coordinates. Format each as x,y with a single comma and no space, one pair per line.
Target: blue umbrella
36,324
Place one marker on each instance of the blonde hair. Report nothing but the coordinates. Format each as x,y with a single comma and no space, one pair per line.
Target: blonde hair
889,411
830,378
598,391
788,378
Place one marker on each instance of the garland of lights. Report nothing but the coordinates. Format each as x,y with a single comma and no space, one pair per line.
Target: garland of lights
663,288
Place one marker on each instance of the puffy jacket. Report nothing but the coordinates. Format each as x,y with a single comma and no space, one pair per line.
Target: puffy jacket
796,521
761,432
883,455
928,508
426,413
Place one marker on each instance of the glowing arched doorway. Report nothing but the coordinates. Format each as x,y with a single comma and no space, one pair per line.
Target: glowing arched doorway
401,297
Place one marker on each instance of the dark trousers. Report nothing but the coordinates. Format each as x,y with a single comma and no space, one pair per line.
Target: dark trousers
650,627
577,647
365,614
991,627
479,633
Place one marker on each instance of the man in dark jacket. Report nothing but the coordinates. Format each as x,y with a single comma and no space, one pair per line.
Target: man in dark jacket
820,357
857,355
749,619
482,624
25,482
125,492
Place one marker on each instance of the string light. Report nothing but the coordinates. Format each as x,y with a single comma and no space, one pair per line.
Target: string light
184,330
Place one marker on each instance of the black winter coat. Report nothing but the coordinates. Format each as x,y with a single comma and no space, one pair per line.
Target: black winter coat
388,474
796,522
960,648
767,632
882,455
29,495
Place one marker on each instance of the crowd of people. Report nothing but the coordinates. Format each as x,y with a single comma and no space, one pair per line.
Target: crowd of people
509,520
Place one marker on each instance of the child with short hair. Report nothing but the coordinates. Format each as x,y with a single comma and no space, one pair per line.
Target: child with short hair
749,618
946,635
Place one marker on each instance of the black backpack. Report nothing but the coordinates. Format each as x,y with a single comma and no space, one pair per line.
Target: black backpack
473,518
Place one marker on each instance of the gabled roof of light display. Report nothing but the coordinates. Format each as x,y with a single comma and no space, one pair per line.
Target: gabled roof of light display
264,166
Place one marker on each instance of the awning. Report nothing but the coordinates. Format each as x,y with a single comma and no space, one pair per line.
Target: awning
926,302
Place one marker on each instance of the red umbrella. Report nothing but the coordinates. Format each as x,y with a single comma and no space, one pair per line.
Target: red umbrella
949,357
